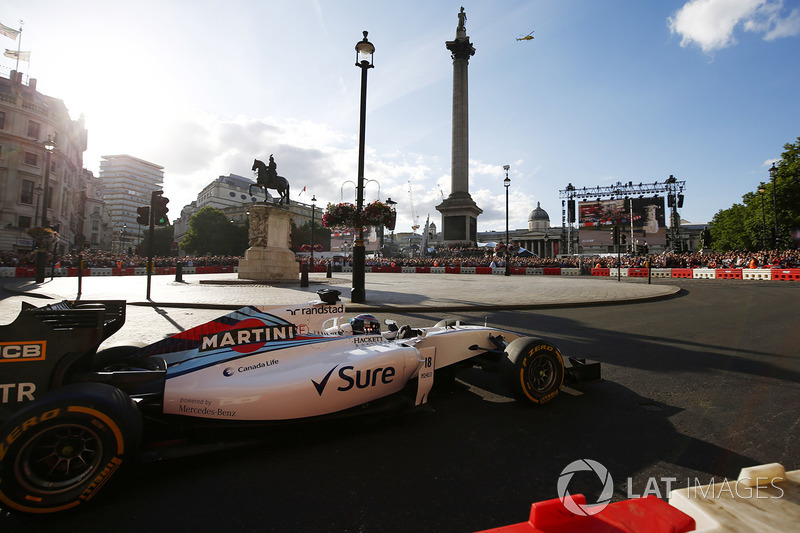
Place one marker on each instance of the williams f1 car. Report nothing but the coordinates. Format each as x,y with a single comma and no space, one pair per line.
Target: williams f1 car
72,414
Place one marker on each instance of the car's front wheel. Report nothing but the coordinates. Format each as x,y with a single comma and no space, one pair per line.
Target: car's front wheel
534,370
59,451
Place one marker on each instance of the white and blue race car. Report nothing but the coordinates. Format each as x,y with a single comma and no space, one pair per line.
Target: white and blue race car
72,415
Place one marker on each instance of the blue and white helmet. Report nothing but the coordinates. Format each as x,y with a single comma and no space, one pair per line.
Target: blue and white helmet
365,323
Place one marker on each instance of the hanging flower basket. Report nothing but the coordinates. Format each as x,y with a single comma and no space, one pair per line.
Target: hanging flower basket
344,215
379,214
42,237
339,216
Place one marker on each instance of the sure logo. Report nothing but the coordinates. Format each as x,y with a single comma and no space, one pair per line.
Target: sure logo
360,379
22,351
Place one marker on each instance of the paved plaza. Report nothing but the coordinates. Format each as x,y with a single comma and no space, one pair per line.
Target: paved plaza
384,291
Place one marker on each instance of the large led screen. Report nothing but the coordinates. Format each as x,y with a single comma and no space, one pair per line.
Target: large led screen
596,219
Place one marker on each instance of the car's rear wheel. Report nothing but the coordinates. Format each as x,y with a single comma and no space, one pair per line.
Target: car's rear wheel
533,369
59,451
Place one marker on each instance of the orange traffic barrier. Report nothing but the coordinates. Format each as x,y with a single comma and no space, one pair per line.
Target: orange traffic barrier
638,272
601,272
729,273
791,274
682,273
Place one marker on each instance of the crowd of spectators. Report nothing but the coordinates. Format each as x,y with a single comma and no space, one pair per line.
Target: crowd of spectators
475,257
101,259
451,256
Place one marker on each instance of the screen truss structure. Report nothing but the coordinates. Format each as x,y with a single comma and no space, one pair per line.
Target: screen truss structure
671,187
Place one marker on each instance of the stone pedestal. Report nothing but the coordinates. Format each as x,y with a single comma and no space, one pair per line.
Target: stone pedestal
269,257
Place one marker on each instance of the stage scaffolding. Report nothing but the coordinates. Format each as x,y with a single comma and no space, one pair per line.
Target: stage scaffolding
671,187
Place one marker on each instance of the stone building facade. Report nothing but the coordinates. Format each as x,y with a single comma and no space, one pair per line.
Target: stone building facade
28,119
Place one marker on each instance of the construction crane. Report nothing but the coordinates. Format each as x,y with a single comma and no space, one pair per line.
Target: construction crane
414,215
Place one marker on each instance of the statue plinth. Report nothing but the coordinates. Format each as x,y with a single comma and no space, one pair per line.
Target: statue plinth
269,256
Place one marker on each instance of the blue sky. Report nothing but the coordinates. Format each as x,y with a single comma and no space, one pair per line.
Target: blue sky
625,90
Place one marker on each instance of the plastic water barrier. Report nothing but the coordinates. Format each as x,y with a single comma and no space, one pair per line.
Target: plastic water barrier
782,274
756,273
792,274
729,273
704,273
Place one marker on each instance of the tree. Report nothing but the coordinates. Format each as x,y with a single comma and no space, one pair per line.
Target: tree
301,235
162,242
211,232
751,225
728,229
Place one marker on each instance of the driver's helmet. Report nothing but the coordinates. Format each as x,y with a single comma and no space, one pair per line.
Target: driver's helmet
365,324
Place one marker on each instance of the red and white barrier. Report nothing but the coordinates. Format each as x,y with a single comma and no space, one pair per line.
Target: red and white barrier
781,274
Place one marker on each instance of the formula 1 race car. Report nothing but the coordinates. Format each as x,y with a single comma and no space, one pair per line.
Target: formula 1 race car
71,414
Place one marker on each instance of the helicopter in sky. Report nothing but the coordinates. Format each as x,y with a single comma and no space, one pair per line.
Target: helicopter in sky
528,37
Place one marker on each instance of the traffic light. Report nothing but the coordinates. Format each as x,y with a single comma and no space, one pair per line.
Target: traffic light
160,209
144,215
623,239
615,235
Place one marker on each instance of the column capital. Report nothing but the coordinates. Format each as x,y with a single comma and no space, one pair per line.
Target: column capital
460,49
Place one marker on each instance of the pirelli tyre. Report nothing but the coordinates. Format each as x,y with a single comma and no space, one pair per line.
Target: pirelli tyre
60,450
533,369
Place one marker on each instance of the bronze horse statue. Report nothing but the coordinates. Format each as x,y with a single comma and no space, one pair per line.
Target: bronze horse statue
270,180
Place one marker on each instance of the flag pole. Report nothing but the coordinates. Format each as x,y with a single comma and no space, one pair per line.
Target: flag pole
19,46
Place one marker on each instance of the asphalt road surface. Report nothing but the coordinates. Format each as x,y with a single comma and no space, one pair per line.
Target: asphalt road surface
695,387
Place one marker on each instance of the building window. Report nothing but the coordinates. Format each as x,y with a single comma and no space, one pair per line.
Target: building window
50,195
33,129
94,238
95,225
26,195
2,120
96,210
24,222
31,159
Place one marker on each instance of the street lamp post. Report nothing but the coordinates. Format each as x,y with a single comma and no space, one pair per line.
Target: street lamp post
390,203
761,190
506,183
773,174
364,52
313,208
38,192
41,254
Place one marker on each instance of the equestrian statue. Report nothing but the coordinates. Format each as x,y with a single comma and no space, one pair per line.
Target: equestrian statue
268,179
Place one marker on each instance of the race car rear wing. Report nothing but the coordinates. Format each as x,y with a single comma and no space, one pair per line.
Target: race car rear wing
44,345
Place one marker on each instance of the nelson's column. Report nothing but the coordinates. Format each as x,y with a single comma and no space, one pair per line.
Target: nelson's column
459,211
